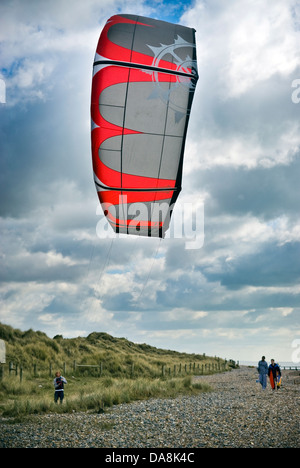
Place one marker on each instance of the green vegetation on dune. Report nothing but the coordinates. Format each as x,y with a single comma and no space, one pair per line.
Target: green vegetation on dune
124,372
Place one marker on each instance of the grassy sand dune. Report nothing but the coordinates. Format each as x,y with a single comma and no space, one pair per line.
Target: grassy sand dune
124,372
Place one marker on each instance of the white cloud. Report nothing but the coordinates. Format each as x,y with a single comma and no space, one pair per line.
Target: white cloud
247,43
284,311
248,56
189,315
242,150
38,38
19,302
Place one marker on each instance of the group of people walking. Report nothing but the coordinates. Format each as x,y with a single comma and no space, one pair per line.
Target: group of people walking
272,371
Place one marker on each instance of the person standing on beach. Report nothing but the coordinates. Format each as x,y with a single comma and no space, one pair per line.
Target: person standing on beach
274,374
263,372
59,383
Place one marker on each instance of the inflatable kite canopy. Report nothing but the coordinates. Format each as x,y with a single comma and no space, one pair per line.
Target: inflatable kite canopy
144,79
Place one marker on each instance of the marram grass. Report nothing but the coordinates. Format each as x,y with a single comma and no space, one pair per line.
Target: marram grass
91,394
101,371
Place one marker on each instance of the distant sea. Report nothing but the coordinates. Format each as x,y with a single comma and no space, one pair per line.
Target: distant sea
283,363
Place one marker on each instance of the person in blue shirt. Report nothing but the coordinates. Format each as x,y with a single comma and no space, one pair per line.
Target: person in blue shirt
59,383
274,374
263,372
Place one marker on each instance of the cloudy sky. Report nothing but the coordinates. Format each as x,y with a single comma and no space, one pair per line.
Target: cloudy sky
237,295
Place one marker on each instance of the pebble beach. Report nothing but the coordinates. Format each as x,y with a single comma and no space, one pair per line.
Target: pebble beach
237,413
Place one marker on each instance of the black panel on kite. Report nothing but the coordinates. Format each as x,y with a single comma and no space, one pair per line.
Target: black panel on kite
144,79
